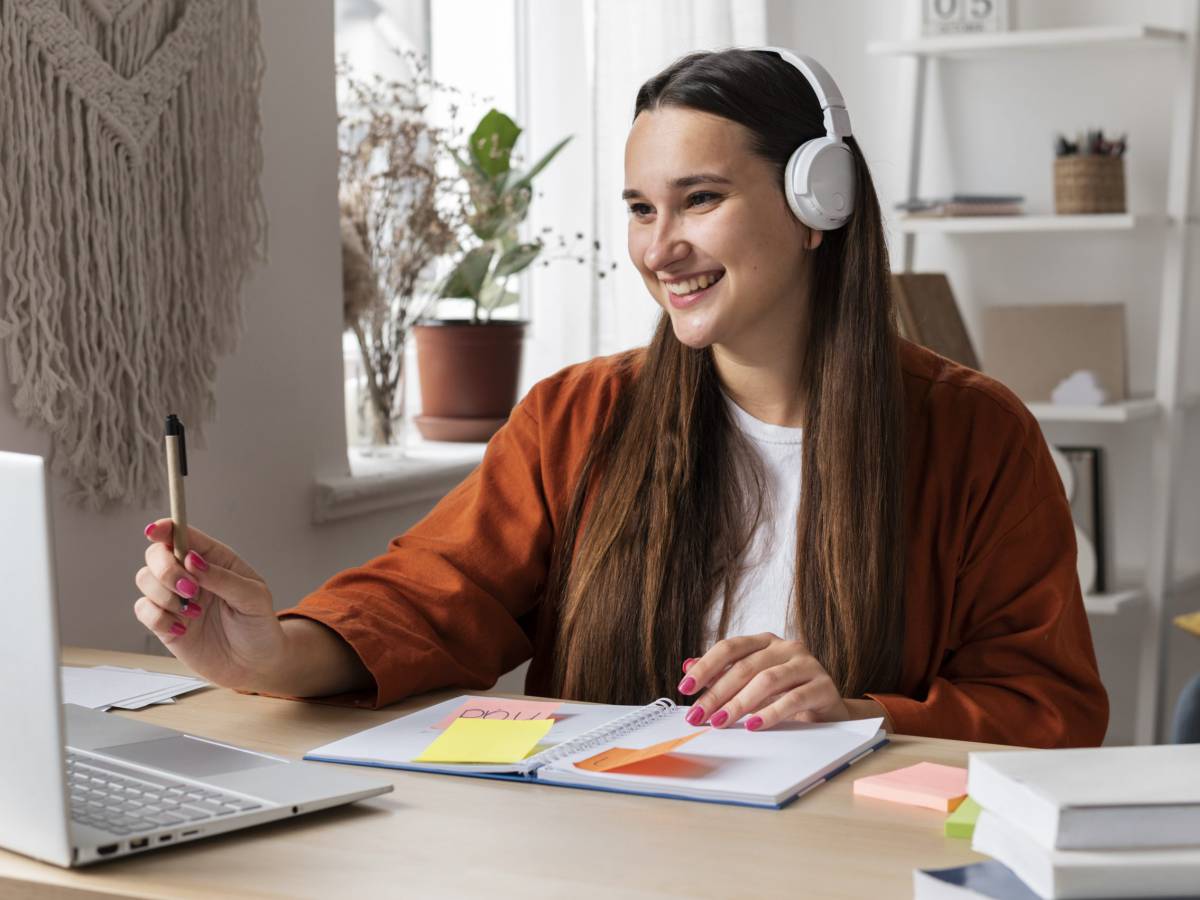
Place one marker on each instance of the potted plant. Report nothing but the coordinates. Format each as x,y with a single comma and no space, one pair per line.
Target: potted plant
469,367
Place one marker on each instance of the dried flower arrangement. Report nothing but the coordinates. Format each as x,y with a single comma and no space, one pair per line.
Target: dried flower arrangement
403,207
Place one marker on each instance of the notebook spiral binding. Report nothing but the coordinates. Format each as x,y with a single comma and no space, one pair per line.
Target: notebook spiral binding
626,724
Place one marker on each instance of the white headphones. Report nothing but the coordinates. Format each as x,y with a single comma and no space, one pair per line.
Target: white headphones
818,180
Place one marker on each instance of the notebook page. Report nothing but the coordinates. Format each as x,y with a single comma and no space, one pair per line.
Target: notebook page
399,742
731,763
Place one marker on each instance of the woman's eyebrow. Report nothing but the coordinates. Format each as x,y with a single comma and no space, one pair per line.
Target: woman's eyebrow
685,182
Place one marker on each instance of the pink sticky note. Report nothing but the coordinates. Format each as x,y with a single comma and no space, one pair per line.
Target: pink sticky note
925,784
501,709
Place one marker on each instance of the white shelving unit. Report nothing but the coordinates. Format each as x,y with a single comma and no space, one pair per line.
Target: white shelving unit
1164,412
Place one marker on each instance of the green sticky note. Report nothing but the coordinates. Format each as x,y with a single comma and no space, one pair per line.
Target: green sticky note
486,741
961,822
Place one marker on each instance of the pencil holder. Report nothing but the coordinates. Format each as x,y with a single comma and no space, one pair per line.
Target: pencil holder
1089,184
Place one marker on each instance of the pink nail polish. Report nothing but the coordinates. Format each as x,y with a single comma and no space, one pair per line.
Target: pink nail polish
186,587
197,561
688,685
687,664
754,723
719,719
178,628
192,611
149,530
695,716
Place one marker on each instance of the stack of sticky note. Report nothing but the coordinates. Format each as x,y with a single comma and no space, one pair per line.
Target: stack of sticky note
930,785
926,784
490,730
108,687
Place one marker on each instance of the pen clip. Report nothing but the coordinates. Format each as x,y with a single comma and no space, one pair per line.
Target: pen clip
175,430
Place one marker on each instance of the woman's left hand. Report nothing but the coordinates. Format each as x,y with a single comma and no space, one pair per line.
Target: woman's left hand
768,679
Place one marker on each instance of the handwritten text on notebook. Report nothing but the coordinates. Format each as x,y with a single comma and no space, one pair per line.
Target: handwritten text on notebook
501,709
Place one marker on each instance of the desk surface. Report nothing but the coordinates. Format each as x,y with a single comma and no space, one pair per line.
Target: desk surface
439,835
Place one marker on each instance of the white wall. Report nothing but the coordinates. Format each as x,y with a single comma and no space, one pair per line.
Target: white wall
279,396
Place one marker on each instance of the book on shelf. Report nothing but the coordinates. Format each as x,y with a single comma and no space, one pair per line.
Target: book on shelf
1094,798
720,765
964,205
929,315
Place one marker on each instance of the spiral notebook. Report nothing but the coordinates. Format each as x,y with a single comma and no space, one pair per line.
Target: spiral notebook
723,765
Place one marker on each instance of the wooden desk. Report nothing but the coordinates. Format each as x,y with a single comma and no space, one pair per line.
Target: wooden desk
442,836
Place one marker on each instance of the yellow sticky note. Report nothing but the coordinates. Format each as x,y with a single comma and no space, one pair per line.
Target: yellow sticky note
616,757
485,741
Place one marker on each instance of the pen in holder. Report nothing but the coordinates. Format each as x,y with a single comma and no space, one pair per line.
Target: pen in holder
1089,175
176,470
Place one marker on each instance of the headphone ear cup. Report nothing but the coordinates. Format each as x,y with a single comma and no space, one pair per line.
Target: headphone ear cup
818,183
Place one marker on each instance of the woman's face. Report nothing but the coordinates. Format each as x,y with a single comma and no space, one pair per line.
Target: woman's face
703,206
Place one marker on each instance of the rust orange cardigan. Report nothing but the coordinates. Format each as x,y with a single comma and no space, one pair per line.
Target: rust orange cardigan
996,648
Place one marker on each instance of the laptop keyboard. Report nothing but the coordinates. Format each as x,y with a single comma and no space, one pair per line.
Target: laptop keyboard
127,801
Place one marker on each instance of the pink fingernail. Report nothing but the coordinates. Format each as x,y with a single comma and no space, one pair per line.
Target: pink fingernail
688,685
192,611
719,719
197,561
695,716
687,664
149,531
186,587
178,628
754,723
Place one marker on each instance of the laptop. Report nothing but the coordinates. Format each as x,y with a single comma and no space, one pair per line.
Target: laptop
78,786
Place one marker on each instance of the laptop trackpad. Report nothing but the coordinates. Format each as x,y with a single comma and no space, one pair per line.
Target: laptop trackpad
187,756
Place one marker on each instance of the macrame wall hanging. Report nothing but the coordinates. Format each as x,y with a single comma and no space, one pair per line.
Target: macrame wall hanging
130,213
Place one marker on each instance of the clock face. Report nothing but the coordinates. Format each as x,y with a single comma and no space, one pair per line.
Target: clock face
961,16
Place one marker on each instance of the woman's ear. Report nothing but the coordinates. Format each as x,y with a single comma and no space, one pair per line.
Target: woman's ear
813,239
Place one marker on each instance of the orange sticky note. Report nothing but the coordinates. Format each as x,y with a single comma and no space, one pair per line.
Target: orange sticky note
616,757
501,709
925,784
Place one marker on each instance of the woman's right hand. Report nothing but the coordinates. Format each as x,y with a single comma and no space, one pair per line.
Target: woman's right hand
229,634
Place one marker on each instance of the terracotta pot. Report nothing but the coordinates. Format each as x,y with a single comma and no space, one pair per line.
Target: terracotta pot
468,377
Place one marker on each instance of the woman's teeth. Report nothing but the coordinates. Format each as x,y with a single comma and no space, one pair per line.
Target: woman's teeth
692,285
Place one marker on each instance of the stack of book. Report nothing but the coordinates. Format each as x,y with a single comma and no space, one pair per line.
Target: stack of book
1109,822
965,205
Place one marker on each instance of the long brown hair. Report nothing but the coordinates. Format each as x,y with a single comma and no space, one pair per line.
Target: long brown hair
670,490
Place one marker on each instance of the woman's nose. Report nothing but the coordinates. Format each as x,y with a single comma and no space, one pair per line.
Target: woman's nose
666,247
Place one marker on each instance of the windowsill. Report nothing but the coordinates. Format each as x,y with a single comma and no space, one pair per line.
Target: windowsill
424,474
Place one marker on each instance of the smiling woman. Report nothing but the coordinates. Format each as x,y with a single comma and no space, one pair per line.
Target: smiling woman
808,516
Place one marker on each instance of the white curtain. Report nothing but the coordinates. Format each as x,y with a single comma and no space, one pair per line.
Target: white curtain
586,61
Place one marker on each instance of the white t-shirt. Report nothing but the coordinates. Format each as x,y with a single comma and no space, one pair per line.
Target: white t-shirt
763,600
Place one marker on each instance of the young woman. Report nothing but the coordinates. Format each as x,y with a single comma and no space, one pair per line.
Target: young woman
777,500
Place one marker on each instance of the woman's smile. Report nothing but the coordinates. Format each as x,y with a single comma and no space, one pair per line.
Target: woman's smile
688,291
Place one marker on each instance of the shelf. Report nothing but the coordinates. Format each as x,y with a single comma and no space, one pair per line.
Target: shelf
1112,603
966,45
1124,411
1024,223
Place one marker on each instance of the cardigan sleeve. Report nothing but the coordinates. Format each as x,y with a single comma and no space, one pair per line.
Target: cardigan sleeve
1019,667
1024,672
440,608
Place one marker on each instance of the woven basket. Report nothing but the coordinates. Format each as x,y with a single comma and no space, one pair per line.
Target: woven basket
1089,184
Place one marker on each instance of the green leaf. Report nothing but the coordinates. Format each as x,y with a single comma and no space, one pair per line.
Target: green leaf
525,179
517,259
492,142
467,278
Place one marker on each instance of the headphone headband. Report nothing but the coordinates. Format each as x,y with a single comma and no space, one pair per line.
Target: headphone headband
833,107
